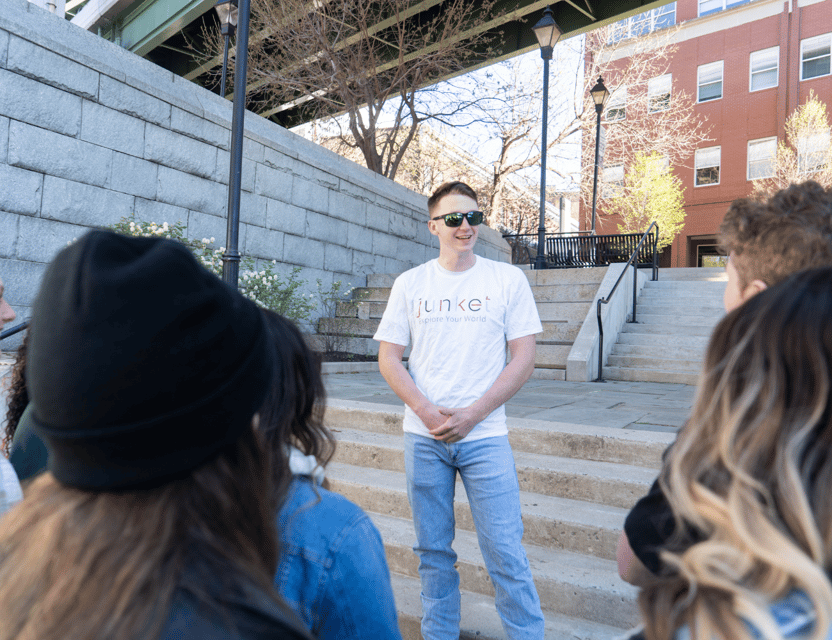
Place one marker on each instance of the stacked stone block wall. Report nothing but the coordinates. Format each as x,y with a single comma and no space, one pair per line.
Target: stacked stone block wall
90,133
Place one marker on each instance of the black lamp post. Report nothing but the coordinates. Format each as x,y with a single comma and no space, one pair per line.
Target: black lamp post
599,95
547,34
231,257
227,11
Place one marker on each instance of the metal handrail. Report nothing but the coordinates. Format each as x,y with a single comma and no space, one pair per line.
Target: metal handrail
8,333
606,300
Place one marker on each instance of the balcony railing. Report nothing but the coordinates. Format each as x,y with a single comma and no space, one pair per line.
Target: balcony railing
580,249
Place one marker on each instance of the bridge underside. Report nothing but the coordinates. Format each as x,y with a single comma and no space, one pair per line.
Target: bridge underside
167,31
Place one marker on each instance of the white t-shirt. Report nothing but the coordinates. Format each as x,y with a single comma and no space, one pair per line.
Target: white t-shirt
458,324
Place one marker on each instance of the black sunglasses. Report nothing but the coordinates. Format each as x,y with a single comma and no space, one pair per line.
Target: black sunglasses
455,219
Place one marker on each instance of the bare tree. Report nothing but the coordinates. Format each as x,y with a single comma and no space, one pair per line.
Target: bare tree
367,60
510,112
645,113
805,154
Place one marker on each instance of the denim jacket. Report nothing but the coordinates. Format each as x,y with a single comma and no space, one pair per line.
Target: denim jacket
333,570
793,614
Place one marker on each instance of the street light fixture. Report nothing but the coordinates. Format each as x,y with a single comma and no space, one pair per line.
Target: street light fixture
547,33
599,95
227,12
231,257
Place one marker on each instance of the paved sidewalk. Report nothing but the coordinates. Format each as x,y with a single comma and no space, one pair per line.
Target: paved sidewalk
651,406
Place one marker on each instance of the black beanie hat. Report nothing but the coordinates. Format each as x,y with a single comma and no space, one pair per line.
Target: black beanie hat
142,365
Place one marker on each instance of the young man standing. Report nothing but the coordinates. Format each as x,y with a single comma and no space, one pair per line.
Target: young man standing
458,312
766,242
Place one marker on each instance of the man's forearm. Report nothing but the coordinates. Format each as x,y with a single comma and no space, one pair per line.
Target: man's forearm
515,374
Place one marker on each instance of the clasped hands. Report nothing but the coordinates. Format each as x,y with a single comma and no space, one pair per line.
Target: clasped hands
449,425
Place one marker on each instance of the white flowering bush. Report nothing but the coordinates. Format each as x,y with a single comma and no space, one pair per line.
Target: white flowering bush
263,286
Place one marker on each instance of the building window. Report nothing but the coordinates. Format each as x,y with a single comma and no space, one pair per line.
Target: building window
814,56
712,6
612,180
644,23
761,156
617,104
764,67
812,151
709,81
707,166
658,93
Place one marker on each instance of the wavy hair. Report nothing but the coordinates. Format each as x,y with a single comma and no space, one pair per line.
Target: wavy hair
96,566
751,471
293,414
18,396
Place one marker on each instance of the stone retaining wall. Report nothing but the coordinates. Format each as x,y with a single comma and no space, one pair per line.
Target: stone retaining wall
90,133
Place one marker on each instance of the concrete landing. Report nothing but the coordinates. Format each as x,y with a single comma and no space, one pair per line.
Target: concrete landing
651,406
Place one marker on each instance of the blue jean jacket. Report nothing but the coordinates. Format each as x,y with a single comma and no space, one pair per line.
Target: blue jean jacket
333,570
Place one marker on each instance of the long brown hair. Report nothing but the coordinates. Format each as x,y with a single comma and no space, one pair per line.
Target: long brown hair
18,396
293,414
752,469
96,566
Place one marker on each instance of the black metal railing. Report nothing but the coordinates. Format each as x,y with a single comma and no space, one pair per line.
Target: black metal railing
648,239
570,250
8,333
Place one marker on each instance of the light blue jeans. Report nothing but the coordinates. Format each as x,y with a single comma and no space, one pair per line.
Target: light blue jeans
487,470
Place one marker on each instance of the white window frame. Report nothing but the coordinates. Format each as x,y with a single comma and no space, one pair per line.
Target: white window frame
645,22
763,54
705,70
654,86
752,149
617,101
704,160
821,149
612,180
815,41
724,4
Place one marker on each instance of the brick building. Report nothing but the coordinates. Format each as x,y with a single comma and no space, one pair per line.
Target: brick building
748,65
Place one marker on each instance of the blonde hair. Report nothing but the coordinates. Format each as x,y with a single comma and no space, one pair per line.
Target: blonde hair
751,472
96,566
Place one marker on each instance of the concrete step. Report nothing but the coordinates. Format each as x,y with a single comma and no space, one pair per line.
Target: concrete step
555,523
606,483
648,339
660,351
693,273
480,620
564,292
563,311
550,356
371,294
706,287
637,362
559,332
681,307
657,329
668,319
603,444
568,583
360,309
548,374
593,275
710,295
650,375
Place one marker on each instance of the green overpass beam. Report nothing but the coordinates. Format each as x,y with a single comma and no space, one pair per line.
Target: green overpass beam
153,22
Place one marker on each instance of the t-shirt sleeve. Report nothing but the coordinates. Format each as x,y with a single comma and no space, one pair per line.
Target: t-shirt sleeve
394,326
649,526
522,318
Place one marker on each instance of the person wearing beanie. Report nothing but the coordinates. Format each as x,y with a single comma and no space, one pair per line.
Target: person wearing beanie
154,521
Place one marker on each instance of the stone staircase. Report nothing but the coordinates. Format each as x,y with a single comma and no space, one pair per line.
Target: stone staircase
577,483
675,316
563,298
